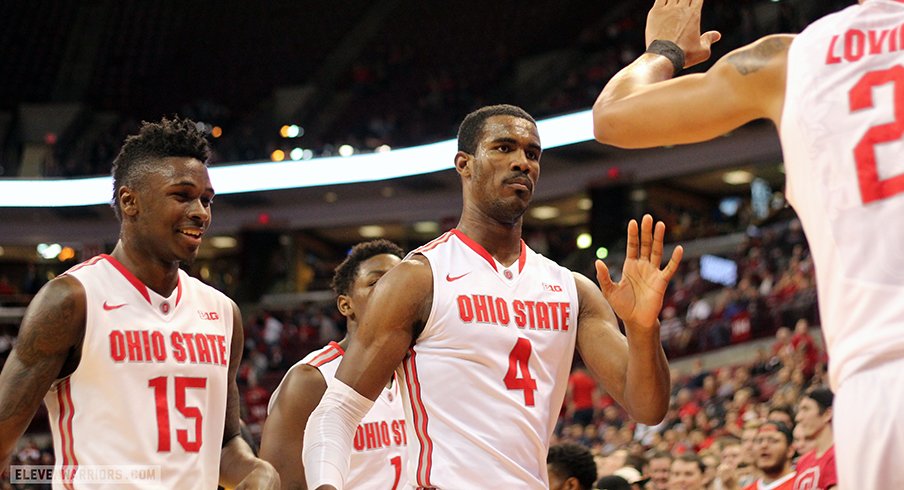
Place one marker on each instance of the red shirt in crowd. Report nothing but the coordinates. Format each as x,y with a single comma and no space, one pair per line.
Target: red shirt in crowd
582,386
816,473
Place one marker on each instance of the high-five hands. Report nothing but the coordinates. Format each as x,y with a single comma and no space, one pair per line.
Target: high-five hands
678,21
637,298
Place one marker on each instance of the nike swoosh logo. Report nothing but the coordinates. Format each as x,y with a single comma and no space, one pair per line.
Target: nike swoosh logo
451,278
112,307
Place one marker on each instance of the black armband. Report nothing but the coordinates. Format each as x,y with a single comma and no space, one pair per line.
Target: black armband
671,51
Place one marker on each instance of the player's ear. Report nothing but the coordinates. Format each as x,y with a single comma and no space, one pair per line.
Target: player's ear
463,163
344,305
128,201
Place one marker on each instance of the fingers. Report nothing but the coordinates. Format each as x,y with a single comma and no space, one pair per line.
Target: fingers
633,240
646,237
710,37
603,277
672,266
658,237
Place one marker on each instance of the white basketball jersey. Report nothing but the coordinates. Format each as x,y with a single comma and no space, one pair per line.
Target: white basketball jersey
842,133
378,451
485,380
150,389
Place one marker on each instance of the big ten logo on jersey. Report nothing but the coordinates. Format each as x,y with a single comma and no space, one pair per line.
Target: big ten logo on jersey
155,346
380,434
533,315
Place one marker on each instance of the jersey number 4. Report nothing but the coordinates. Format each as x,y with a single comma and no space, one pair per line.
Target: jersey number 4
519,360
191,445
872,188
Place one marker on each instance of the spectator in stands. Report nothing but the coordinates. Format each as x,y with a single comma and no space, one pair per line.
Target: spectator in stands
781,413
658,468
582,391
816,468
570,467
774,449
686,473
612,482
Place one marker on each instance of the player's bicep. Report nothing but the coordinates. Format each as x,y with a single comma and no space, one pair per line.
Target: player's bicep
232,423
282,440
52,328
601,345
744,85
395,311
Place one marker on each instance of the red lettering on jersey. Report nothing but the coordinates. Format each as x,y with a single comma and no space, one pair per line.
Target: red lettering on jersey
876,40
146,343
117,346
190,344
178,347
502,311
202,348
359,439
221,346
554,315
133,345
565,313
370,435
480,308
542,316
854,45
397,432
518,308
465,311
531,319
831,57
384,434
159,346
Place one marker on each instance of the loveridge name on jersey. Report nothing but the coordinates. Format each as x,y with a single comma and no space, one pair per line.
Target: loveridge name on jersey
855,44
155,346
532,315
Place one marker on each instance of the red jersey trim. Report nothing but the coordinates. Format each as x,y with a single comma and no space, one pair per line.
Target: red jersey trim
331,352
129,277
91,261
419,412
433,243
67,410
478,248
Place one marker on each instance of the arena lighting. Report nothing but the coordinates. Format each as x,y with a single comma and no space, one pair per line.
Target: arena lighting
267,176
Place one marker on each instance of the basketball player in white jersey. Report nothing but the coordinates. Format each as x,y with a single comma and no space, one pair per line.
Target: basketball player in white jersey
135,360
485,331
836,95
378,455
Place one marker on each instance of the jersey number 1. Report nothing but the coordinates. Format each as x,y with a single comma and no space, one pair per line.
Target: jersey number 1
163,418
872,188
519,359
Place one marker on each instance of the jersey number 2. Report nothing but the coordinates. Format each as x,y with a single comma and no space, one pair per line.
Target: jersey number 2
163,417
872,188
519,359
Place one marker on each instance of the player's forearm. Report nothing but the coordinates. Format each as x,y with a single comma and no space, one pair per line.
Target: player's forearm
329,433
238,463
648,382
612,111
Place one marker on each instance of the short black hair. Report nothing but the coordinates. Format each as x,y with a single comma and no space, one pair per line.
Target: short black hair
822,396
472,126
572,460
692,458
345,273
785,409
177,137
781,428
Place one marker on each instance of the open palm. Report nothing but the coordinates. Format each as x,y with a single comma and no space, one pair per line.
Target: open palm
637,297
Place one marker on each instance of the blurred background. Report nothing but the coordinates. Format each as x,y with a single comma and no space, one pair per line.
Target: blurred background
299,80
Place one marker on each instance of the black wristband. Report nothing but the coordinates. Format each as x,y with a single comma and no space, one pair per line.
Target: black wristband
671,51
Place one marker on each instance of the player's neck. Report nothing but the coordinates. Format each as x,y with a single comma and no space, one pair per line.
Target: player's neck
502,241
158,277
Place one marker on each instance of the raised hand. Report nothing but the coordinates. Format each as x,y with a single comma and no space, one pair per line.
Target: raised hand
679,21
637,298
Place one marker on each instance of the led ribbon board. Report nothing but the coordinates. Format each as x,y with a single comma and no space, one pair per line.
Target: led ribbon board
268,176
